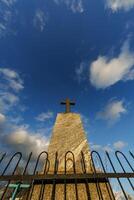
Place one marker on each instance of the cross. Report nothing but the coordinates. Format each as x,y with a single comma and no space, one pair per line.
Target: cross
17,188
68,104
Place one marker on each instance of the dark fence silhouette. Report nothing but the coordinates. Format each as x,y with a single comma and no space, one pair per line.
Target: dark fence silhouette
18,177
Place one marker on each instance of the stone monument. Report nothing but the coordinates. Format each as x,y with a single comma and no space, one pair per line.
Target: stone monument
68,135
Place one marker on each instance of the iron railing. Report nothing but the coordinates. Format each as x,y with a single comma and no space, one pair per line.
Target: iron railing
22,184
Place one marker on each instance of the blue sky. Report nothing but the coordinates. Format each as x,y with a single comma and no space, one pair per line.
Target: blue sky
81,49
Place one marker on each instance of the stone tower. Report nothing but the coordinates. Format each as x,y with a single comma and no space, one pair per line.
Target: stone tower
68,135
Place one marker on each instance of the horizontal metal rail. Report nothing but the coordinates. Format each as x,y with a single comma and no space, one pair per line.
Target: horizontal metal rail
52,175
67,177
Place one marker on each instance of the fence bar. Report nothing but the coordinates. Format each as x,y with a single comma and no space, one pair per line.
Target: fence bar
118,177
120,153
84,171
9,164
107,183
70,175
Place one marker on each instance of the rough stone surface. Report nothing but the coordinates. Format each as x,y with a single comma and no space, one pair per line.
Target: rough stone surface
68,135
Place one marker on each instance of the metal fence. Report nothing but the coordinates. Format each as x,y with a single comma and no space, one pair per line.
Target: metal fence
115,172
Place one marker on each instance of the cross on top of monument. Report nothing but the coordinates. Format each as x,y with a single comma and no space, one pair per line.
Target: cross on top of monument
68,104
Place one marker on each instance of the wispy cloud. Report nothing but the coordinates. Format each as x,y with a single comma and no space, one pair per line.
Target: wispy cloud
118,145
98,147
17,119
10,86
80,72
9,2
13,79
8,14
40,20
2,118
95,147
15,135
112,111
106,71
116,5
44,116
76,6
2,29
8,101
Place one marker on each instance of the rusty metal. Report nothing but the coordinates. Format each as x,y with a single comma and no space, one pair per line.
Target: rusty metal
68,105
70,178
107,183
44,177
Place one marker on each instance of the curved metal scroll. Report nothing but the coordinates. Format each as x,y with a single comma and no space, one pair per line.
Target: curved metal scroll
9,163
117,178
116,154
108,185
45,171
74,170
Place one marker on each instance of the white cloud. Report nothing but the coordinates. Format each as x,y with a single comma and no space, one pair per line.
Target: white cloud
116,5
2,29
109,147
7,101
9,73
105,72
77,6
9,2
44,116
96,147
16,85
2,118
15,119
40,20
74,5
112,111
119,144
8,14
13,79
14,135
130,75
10,86
24,141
